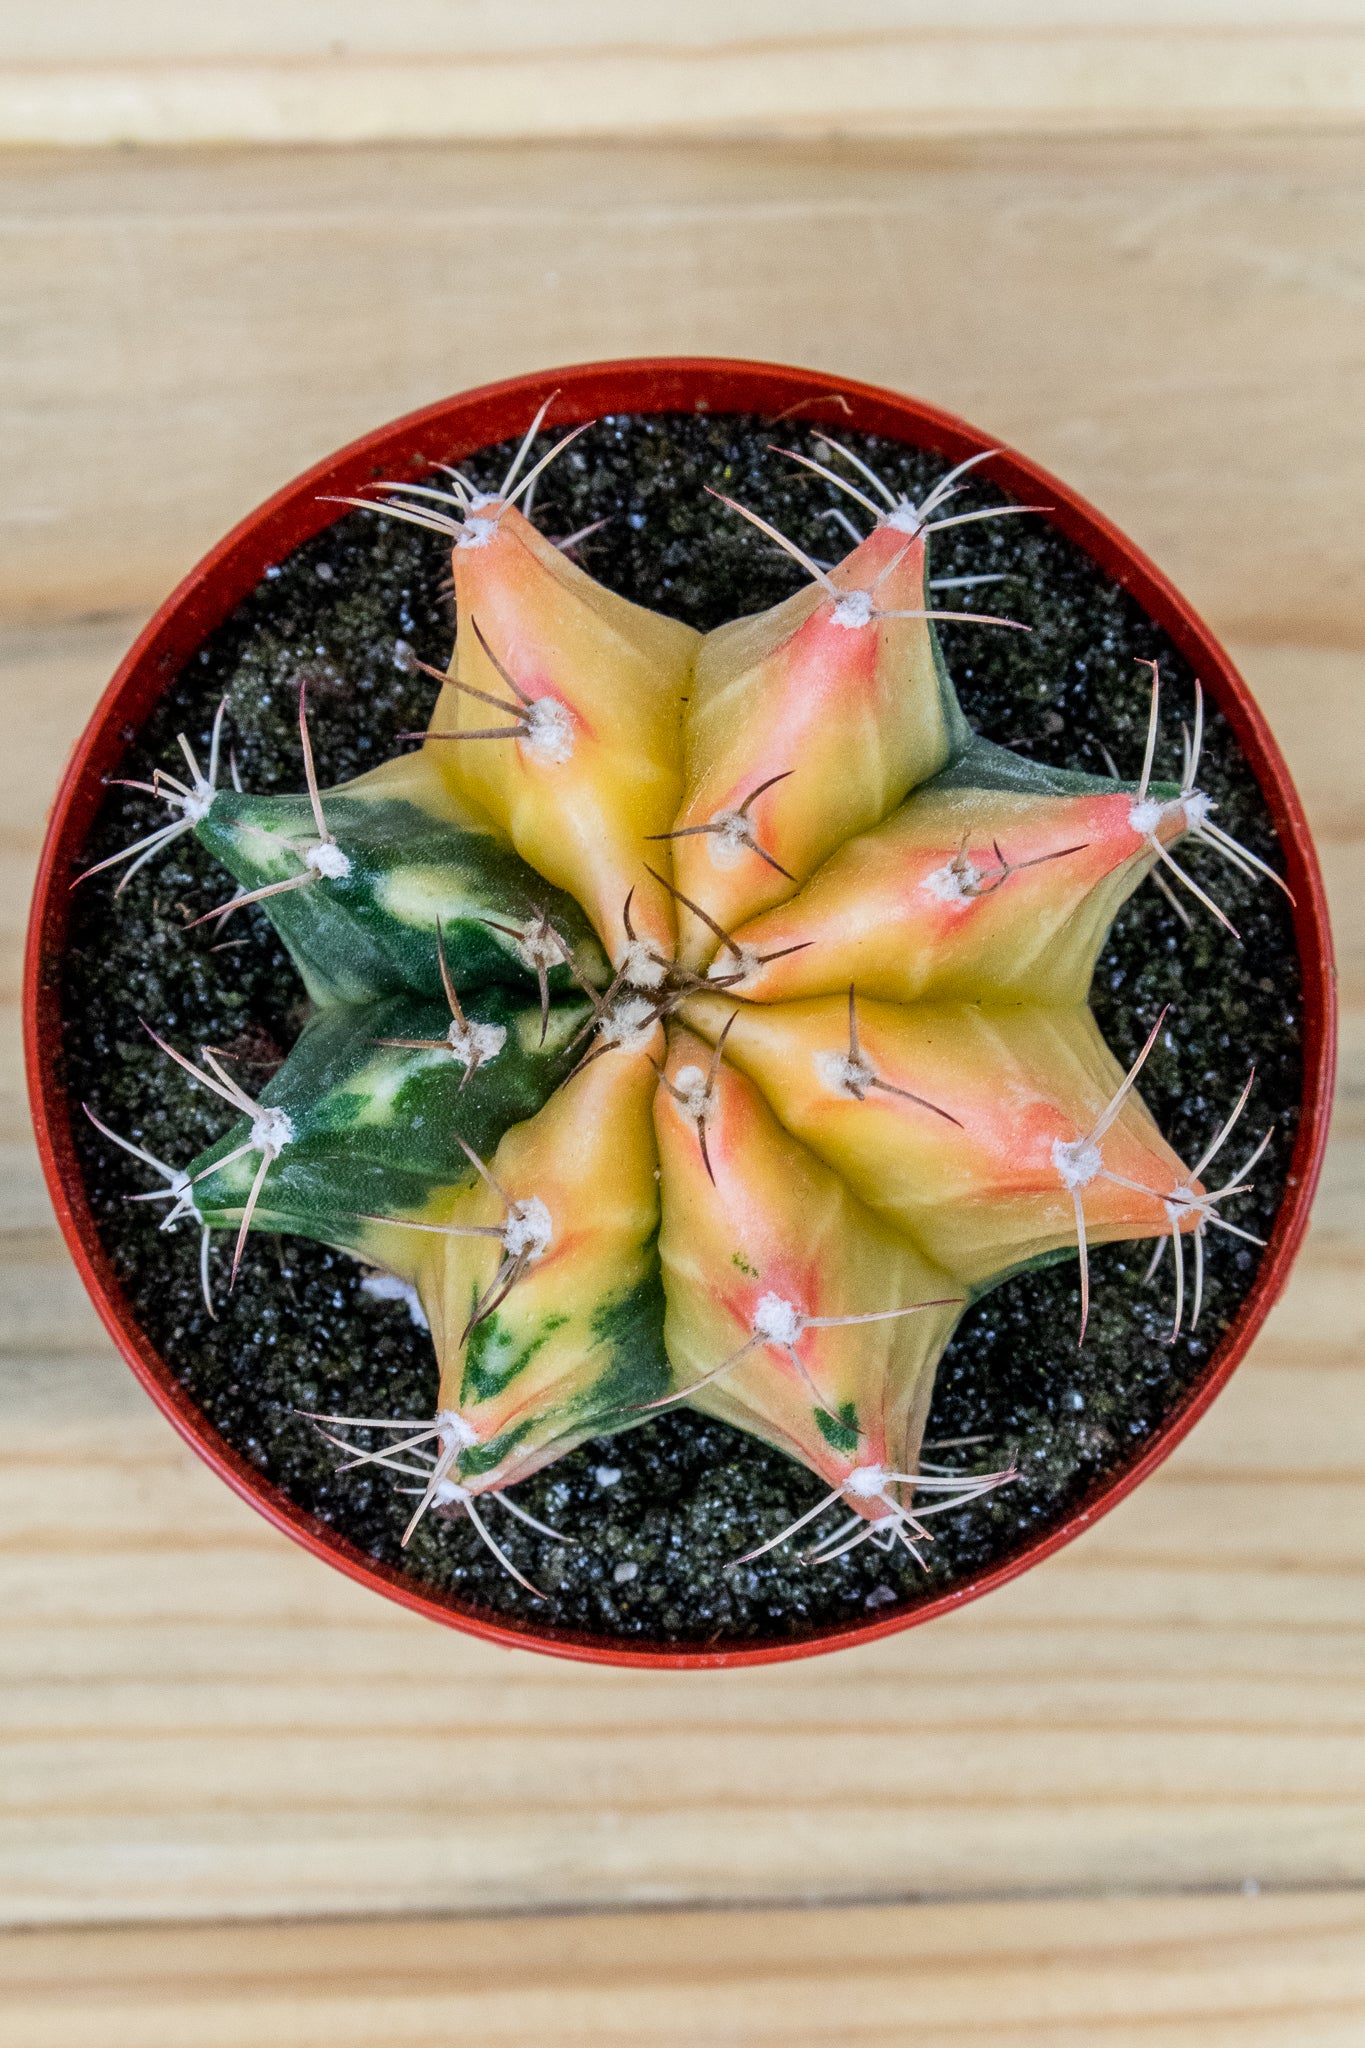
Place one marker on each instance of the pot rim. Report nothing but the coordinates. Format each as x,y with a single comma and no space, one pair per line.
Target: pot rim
451,430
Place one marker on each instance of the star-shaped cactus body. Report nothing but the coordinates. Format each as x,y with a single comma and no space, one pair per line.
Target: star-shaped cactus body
701,1019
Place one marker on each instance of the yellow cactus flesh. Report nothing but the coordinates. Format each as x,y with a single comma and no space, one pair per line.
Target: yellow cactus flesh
848,706
597,769
981,895
776,1238
576,1344
417,778
952,1135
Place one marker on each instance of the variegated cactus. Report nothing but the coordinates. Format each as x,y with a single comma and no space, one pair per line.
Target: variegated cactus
697,1019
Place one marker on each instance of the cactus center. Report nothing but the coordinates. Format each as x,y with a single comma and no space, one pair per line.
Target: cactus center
629,1024
641,966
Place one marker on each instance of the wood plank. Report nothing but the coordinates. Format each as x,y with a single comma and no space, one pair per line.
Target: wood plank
199,1721
167,30
1267,1972
1173,327
596,67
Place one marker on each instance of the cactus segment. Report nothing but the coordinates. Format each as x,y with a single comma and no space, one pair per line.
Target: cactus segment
945,1119
412,859
595,687
548,1318
831,691
364,1129
996,881
793,1311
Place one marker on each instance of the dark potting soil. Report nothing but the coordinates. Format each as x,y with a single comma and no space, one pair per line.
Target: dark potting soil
660,1510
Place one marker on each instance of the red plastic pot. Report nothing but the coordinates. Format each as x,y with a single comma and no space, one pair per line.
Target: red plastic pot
448,432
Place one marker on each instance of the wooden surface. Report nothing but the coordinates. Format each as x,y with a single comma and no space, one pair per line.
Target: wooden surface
202,1724
1176,329
1152,1973
168,71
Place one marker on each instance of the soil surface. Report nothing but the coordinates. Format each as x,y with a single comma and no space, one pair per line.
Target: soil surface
659,1511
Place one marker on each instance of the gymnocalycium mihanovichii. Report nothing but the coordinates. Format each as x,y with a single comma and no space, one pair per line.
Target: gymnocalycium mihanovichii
698,1018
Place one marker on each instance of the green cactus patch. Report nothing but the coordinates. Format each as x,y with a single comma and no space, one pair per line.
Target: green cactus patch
495,1355
372,933
839,1431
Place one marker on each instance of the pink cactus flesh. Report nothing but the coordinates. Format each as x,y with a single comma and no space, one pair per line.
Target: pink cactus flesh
793,1310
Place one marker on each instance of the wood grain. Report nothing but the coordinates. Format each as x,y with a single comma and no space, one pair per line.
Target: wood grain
86,74
1173,328
166,30
1117,1973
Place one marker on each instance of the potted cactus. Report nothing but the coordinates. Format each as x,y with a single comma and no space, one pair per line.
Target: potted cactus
618,919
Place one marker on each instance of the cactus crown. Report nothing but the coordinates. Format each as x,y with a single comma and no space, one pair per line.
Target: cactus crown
697,1019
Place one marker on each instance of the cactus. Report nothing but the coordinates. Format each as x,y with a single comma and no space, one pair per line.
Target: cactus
698,1019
